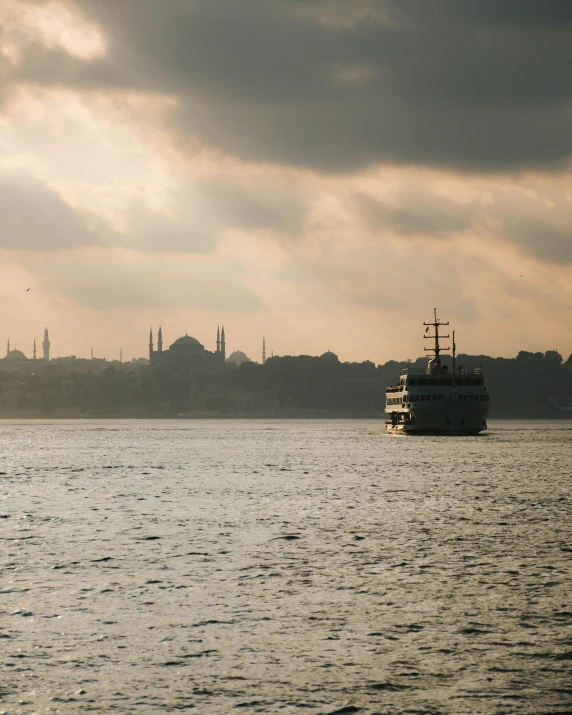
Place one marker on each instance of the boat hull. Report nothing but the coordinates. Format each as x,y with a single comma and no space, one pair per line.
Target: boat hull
449,417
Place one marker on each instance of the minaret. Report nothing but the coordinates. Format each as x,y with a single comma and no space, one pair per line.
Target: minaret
160,340
35,354
222,344
120,354
218,339
92,353
46,345
264,351
150,344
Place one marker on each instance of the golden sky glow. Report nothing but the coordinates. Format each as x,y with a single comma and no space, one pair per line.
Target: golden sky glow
132,194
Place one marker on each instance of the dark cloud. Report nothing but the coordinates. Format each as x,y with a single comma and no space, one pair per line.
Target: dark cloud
256,206
418,213
479,85
33,217
540,224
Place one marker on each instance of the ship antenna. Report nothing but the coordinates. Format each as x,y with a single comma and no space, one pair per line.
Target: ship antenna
437,349
454,365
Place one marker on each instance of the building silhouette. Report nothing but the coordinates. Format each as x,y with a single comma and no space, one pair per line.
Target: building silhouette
187,352
237,358
46,345
15,357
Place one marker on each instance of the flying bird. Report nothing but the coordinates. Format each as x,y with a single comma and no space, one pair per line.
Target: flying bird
27,289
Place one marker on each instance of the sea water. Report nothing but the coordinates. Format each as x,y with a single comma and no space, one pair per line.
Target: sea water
284,567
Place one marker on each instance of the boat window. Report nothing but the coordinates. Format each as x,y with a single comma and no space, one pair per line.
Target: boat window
469,382
422,381
445,381
433,381
412,381
459,382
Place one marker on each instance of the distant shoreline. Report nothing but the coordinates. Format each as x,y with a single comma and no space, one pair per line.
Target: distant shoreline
311,415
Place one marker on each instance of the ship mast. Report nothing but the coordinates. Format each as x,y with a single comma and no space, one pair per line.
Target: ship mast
437,349
454,367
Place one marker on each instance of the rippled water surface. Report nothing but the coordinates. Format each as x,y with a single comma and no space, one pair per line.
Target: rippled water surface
284,567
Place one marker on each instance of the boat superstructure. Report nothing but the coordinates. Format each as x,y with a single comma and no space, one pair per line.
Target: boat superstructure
438,399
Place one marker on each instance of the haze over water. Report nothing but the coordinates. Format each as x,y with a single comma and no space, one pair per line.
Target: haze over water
284,567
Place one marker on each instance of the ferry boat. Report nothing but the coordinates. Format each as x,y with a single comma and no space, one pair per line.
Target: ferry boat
437,399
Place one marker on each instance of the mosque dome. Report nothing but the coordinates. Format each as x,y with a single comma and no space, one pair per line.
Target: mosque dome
330,356
238,357
16,355
186,343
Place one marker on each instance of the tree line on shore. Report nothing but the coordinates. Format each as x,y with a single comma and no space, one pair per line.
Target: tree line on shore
531,385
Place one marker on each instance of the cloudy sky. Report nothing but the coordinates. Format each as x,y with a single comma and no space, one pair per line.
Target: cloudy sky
321,172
